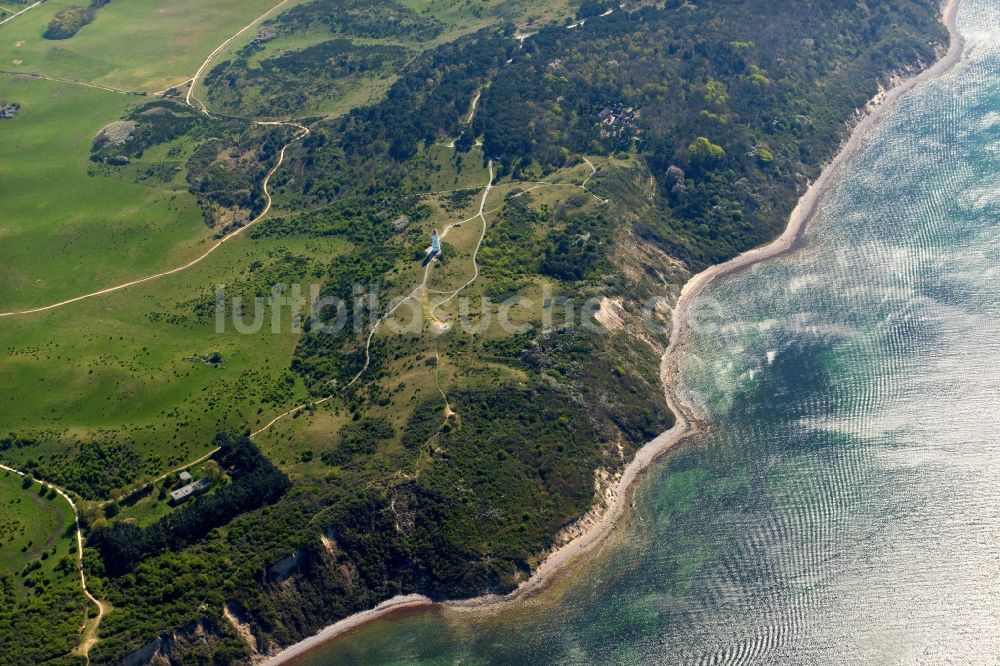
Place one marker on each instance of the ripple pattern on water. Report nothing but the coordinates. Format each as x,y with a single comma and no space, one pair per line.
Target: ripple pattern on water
843,508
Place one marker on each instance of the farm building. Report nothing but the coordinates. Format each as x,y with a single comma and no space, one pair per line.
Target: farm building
183,493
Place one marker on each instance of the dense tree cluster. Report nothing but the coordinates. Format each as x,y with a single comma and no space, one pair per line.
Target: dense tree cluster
285,84
730,117
370,19
95,469
746,109
68,22
255,483
43,628
523,243
358,438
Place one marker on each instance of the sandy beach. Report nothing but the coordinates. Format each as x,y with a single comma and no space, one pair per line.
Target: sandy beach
604,524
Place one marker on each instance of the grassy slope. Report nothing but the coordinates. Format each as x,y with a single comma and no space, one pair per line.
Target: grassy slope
457,17
30,524
103,367
135,45
65,232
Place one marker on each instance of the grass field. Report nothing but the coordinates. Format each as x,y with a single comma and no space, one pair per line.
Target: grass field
131,366
143,45
30,525
455,17
64,232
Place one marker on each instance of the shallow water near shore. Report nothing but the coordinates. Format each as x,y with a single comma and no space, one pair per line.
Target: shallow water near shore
843,506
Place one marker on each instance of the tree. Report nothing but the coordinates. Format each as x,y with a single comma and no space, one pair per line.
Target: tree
705,154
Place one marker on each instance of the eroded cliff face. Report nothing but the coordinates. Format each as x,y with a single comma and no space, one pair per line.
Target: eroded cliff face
450,465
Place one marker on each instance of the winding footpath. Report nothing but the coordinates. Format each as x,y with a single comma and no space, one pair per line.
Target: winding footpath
89,628
416,291
211,56
88,637
602,524
43,77
303,131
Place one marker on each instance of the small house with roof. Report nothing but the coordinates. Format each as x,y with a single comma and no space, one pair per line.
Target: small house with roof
184,493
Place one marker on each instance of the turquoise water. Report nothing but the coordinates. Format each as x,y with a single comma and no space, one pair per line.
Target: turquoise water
843,507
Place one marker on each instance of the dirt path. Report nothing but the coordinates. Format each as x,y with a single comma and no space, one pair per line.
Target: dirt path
197,75
233,234
475,254
16,14
89,627
160,93
43,77
472,110
593,171
448,411
472,113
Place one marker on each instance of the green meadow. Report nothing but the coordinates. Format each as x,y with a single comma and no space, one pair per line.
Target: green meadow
68,227
329,94
31,524
146,366
142,45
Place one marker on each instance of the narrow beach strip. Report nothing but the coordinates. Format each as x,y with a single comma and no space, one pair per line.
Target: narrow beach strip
687,424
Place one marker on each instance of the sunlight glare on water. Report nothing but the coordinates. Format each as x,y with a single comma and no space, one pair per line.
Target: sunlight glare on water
843,507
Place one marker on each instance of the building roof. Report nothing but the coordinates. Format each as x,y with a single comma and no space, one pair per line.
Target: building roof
184,492
184,476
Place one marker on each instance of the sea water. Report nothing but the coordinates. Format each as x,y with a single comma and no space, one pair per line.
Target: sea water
844,506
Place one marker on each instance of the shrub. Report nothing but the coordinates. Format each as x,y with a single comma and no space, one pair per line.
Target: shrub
68,22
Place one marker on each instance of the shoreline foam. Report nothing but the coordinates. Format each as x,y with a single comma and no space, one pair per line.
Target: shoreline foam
687,424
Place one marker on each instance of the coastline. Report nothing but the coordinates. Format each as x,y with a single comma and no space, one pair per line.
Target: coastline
687,423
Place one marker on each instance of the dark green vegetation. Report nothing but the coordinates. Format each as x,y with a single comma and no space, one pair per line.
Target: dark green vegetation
368,19
225,170
448,467
427,104
255,482
286,83
68,22
93,470
41,605
734,115
9,110
522,243
357,48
